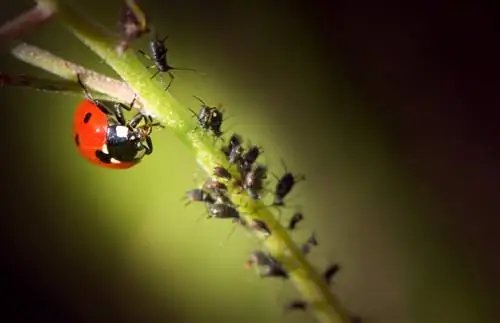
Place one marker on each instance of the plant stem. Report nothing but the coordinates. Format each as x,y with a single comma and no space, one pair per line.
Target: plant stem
173,115
43,59
43,12
43,84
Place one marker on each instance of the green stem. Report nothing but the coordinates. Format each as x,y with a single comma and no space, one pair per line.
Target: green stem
173,115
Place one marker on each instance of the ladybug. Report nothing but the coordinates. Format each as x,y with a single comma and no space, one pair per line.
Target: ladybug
105,138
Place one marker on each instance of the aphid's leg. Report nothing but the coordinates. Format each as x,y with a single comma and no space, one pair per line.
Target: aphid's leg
155,73
299,178
229,235
143,53
171,80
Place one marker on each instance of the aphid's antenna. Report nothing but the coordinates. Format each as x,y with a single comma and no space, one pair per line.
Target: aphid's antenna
230,234
201,101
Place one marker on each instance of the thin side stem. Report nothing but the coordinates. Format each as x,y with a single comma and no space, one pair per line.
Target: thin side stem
43,59
44,84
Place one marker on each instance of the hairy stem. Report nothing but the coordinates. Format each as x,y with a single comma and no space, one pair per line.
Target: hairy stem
173,115
43,59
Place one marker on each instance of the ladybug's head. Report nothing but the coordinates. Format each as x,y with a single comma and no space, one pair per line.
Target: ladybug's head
144,131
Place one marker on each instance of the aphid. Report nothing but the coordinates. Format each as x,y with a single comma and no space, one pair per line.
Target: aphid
104,137
199,195
294,220
235,155
249,157
296,305
285,185
253,181
132,24
209,118
233,150
159,56
311,241
261,227
222,211
215,186
234,141
222,172
330,272
268,265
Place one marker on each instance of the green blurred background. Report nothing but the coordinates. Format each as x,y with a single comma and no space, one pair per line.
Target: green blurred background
376,106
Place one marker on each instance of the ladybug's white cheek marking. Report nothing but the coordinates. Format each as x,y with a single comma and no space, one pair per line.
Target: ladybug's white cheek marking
105,149
122,131
114,161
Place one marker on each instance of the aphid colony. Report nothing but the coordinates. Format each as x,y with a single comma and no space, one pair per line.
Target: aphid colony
219,206
104,137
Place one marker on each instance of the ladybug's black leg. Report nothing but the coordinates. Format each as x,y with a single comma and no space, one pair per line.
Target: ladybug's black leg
87,93
119,113
148,146
136,119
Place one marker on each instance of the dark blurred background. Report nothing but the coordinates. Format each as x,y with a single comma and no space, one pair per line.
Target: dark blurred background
389,108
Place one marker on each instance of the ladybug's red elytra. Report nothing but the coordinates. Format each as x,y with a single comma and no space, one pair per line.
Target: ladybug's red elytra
105,138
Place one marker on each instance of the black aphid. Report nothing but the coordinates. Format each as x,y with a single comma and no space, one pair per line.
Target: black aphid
249,157
215,186
294,220
330,272
234,141
285,185
268,265
199,195
222,172
296,305
253,181
209,118
261,227
158,52
222,211
310,242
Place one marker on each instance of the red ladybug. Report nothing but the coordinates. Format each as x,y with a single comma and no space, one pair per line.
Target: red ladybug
105,138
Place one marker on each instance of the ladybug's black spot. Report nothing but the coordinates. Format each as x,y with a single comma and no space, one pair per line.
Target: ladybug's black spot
77,140
87,117
105,158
